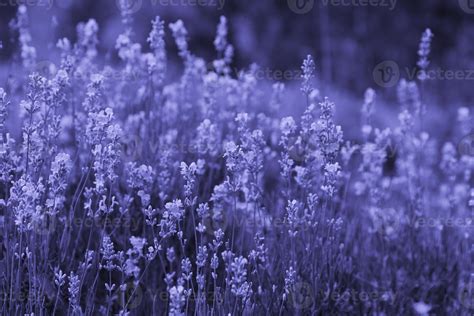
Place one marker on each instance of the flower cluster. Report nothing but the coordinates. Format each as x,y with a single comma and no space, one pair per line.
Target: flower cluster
196,196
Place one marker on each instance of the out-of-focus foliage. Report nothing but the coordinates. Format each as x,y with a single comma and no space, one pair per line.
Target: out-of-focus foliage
348,39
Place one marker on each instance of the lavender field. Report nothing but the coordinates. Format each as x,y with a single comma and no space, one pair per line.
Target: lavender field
144,172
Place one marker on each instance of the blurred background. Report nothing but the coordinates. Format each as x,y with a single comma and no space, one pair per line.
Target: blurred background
347,38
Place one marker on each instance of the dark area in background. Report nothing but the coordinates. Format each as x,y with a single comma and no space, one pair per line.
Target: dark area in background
347,42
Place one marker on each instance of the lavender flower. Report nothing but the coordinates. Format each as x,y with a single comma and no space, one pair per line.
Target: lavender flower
141,178
177,300
74,290
3,113
126,11
424,51
108,253
208,140
103,135
157,44
224,49
189,174
57,181
240,287
220,42
290,281
21,24
133,256
292,217
25,197
195,193
308,69
180,33
172,215
87,39
368,111
201,258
